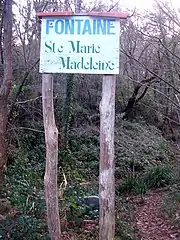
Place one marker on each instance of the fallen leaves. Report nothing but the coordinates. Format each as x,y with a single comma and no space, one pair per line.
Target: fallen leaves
149,221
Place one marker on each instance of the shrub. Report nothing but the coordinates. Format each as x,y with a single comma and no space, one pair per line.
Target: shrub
171,206
133,185
24,187
76,208
23,227
154,177
128,185
82,154
138,147
124,230
159,176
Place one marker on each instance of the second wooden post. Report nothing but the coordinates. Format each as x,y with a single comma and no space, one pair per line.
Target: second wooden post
107,165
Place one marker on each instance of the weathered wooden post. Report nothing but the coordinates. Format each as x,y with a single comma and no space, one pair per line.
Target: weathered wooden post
107,162
50,178
107,166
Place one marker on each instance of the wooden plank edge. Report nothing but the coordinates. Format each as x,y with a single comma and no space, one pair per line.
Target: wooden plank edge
121,15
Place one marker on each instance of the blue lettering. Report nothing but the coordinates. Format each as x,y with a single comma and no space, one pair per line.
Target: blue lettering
69,26
59,26
110,27
101,26
87,27
79,21
94,26
49,24
81,26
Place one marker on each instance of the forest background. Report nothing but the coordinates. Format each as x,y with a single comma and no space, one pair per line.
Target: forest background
147,120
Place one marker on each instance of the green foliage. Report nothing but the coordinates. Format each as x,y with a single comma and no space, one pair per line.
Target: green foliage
76,209
82,156
23,227
78,190
140,187
124,230
154,177
133,185
24,187
16,87
128,185
171,205
159,176
67,112
139,146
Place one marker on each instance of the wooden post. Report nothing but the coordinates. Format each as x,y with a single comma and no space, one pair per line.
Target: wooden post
107,165
50,178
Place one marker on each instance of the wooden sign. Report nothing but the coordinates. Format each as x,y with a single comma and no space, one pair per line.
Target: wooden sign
79,44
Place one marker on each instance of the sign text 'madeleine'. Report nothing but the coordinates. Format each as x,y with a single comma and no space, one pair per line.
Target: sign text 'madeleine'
81,26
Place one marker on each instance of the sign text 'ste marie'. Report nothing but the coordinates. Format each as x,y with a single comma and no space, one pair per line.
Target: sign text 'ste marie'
79,44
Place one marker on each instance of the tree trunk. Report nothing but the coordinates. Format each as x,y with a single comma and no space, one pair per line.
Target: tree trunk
5,82
107,165
3,122
50,179
134,99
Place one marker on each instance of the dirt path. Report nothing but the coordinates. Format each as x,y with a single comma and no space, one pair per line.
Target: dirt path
150,222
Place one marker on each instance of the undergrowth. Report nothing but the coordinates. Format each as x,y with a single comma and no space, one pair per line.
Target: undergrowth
138,147
140,150
154,177
24,189
171,202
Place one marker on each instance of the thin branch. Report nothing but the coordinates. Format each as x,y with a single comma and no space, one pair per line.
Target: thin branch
33,99
25,128
150,71
164,115
154,89
160,41
168,14
29,100
112,6
20,87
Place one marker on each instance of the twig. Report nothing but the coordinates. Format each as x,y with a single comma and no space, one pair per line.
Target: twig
25,128
29,100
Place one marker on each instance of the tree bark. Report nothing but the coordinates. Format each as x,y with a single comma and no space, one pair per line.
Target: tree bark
3,122
134,99
107,165
50,179
5,82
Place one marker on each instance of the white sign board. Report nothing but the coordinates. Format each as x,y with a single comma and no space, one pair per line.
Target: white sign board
80,44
